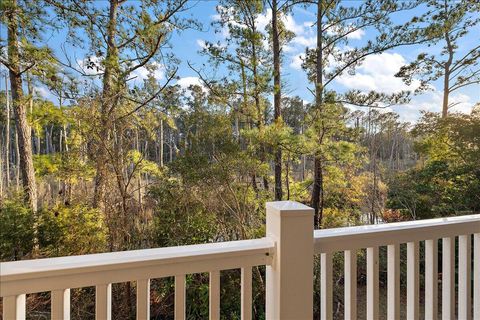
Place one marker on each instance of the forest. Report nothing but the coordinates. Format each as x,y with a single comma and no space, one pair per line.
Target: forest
105,147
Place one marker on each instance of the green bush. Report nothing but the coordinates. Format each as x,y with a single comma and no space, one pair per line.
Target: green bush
71,230
16,229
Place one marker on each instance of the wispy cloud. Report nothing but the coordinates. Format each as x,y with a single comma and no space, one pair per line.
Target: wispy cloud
377,72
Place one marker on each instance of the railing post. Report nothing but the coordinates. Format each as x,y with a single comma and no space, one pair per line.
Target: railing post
289,280
14,307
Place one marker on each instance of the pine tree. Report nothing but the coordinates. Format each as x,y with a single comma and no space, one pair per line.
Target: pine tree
457,65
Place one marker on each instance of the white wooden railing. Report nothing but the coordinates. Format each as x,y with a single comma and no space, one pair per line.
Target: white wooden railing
287,251
371,237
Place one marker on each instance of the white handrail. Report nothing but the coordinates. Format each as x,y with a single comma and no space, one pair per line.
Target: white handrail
32,276
347,238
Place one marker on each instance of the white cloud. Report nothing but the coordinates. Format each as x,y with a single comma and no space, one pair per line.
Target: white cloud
462,103
263,20
356,35
41,92
291,24
289,49
308,24
143,73
432,101
297,61
377,73
185,82
201,43
305,41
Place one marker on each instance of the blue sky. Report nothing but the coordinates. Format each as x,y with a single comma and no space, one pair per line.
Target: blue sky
376,73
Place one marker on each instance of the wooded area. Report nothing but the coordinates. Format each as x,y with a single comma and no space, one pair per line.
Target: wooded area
110,164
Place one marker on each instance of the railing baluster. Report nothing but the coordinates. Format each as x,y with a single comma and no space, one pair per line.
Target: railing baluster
60,300
431,279
214,301
14,307
476,276
412,281
246,293
350,284
180,297
464,269
448,278
326,292
103,302
143,299
372,283
393,282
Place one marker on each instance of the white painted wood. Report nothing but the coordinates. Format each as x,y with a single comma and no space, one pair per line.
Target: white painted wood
431,279
413,296
60,300
103,302
393,282
287,251
341,239
180,297
326,292
143,299
289,279
464,271
350,284
372,283
476,276
32,276
448,278
246,293
214,295
14,307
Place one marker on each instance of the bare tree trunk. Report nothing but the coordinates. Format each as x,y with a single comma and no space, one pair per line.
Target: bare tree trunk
7,136
317,191
108,104
161,143
171,148
65,141
277,96
17,161
287,177
20,110
446,92
447,71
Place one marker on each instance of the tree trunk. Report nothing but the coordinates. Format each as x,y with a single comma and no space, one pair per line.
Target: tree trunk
170,149
109,98
277,96
446,92
20,111
17,161
161,143
447,73
317,191
7,136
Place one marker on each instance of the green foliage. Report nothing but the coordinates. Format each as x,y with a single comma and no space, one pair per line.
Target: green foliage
142,165
65,167
16,229
448,182
46,113
71,230
180,219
